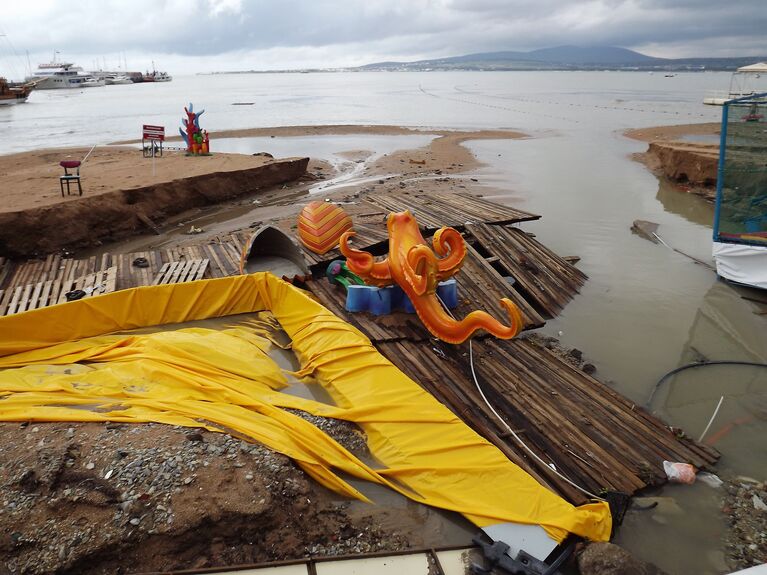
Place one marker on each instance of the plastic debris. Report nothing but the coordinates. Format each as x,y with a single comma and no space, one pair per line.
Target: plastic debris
679,472
710,479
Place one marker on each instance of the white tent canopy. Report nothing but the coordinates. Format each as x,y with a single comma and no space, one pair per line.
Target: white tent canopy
757,68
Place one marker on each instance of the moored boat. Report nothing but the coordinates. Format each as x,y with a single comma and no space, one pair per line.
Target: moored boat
117,79
93,82
14,94
155,76
58,75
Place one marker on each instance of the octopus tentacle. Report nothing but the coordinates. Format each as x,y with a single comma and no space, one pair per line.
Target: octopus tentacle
418,269
363,263
437,321
449,245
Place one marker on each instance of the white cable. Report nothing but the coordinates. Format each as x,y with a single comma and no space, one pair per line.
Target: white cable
710,421
519,439
89,153
508,427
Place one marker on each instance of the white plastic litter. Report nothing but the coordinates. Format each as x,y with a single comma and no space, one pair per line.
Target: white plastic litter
710,479
679,472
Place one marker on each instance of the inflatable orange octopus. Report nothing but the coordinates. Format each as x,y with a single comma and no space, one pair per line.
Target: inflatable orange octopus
417,269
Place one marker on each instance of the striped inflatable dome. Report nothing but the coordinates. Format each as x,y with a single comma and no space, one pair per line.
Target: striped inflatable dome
320,225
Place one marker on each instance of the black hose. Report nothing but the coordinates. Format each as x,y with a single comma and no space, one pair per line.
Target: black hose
699,364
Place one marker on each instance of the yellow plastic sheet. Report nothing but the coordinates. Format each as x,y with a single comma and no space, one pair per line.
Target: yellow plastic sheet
59,366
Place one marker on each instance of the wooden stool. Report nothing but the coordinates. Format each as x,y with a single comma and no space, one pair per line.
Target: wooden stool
69,178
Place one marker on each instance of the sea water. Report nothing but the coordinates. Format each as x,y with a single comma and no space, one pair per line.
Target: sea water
645,310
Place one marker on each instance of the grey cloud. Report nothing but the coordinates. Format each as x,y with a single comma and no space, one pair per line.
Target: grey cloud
402,29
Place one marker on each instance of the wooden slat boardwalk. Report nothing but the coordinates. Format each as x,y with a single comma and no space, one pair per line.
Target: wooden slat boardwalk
587,431
437,209
185,271
591,434
547,281
49,292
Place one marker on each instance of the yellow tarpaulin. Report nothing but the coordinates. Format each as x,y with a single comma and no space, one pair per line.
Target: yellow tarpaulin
57,365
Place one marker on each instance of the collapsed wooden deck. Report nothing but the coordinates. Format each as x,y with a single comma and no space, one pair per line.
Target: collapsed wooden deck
587,431
592,435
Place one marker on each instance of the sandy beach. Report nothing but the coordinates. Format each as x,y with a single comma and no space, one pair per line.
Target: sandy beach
31,179
125,193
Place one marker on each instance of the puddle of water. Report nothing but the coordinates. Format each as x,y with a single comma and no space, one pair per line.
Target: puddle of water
690,518
335,149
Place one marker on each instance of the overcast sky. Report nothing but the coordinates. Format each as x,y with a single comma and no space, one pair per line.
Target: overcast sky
187,36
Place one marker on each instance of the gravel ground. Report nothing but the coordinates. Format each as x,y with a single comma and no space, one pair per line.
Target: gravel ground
745,505
121,498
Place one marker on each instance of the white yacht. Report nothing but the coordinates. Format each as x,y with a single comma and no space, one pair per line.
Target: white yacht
58,75
115,79
93,82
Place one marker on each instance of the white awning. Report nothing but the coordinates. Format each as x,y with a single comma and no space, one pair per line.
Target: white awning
757,68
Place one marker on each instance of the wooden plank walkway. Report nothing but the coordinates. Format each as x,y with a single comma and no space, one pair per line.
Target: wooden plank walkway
587,431
590,433
546,280
436,209
184,271
49,292
93,284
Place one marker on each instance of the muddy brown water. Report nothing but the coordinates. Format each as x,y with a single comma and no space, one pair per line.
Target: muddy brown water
645,309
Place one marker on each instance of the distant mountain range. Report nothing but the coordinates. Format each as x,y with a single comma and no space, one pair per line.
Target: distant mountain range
567,58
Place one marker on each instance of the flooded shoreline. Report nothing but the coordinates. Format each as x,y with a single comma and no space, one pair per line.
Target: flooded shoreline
645,309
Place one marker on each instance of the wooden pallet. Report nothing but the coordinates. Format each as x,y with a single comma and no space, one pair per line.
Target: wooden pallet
92,284
181,271
589,432
546,280
436,209
52,291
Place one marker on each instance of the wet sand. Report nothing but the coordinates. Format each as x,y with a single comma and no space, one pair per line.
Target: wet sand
31,179
116,179
672,133
691,165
